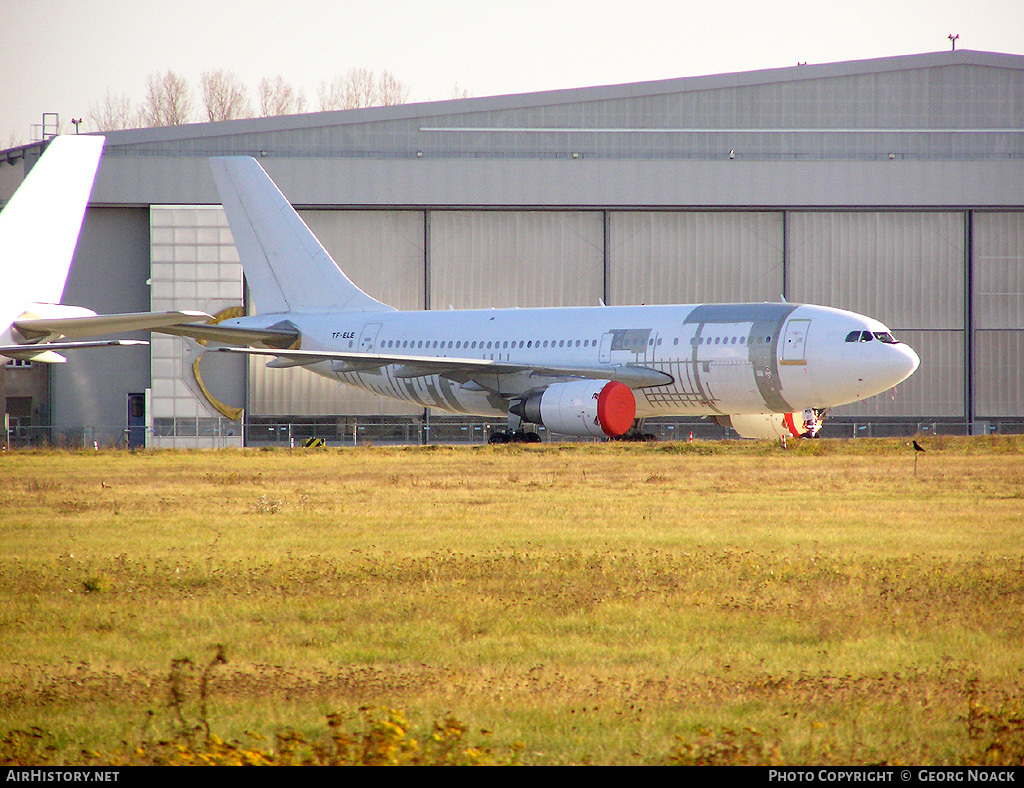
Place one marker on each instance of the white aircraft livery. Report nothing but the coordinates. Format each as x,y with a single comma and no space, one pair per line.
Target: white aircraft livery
765,369
39,229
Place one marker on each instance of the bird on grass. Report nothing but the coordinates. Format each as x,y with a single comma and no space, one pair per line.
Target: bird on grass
917,446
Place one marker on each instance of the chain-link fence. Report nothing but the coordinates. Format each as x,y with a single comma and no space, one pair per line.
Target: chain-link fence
368,431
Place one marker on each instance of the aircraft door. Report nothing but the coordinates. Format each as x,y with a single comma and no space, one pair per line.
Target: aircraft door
606,347
795,340
368,337
652,346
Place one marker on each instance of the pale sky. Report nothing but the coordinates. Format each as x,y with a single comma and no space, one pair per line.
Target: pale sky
64,55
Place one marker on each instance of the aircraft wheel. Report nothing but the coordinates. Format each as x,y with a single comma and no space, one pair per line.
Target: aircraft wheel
498,438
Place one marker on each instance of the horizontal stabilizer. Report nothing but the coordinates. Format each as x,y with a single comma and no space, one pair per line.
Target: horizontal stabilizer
275,336
96,325
44,352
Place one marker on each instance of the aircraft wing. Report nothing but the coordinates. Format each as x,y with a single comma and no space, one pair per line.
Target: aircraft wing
458,369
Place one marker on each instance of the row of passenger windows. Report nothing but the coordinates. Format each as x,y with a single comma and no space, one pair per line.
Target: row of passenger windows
493,345
505,345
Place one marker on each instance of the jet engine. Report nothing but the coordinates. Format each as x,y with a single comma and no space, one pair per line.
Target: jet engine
773,426
588,408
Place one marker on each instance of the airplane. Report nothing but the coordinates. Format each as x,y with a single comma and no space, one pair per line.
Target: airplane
767,370
39,228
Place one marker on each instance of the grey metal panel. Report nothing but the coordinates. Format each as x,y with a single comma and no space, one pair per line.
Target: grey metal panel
935,389
381,251
109,273
585,183
483,259
299,392
999,373
903,268
695,257
998,266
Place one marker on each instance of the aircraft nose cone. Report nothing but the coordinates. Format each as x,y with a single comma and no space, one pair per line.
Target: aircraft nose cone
905,362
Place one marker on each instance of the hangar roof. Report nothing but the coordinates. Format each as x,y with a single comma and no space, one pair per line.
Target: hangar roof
957,104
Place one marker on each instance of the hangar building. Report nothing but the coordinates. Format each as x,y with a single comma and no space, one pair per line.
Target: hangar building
892,187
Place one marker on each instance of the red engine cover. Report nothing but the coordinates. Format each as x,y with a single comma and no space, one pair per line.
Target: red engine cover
616,409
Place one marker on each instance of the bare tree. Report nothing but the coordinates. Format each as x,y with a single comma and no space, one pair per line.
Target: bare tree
360,88
278,97
168,100
224,95
391,91
459,92
114,113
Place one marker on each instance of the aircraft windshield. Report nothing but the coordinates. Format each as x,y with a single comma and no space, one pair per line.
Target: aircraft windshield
868,336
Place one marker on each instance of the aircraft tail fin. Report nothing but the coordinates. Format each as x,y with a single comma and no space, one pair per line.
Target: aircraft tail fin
286,267
40,224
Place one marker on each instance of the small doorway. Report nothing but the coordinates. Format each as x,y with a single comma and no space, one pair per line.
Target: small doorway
136,421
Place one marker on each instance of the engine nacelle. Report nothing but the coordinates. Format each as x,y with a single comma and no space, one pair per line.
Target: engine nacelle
588,408
772,426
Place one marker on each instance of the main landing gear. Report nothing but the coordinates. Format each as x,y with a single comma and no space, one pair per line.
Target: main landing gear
636,433
514,436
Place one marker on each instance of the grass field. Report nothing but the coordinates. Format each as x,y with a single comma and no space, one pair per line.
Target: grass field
722,602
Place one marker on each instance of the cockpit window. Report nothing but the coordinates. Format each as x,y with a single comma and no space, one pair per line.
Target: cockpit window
869,336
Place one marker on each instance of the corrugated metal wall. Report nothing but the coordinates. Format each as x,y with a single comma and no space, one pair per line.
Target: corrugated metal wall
903,268
694,257
482,259
998,311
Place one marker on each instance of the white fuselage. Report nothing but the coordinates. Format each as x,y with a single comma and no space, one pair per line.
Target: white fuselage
721,358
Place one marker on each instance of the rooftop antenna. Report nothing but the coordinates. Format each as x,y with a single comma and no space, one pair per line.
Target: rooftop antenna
953,38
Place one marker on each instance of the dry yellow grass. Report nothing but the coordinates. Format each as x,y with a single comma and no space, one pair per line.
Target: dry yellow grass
724,602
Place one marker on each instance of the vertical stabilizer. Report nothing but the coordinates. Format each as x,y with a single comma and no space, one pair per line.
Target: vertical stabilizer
286,267
39,226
